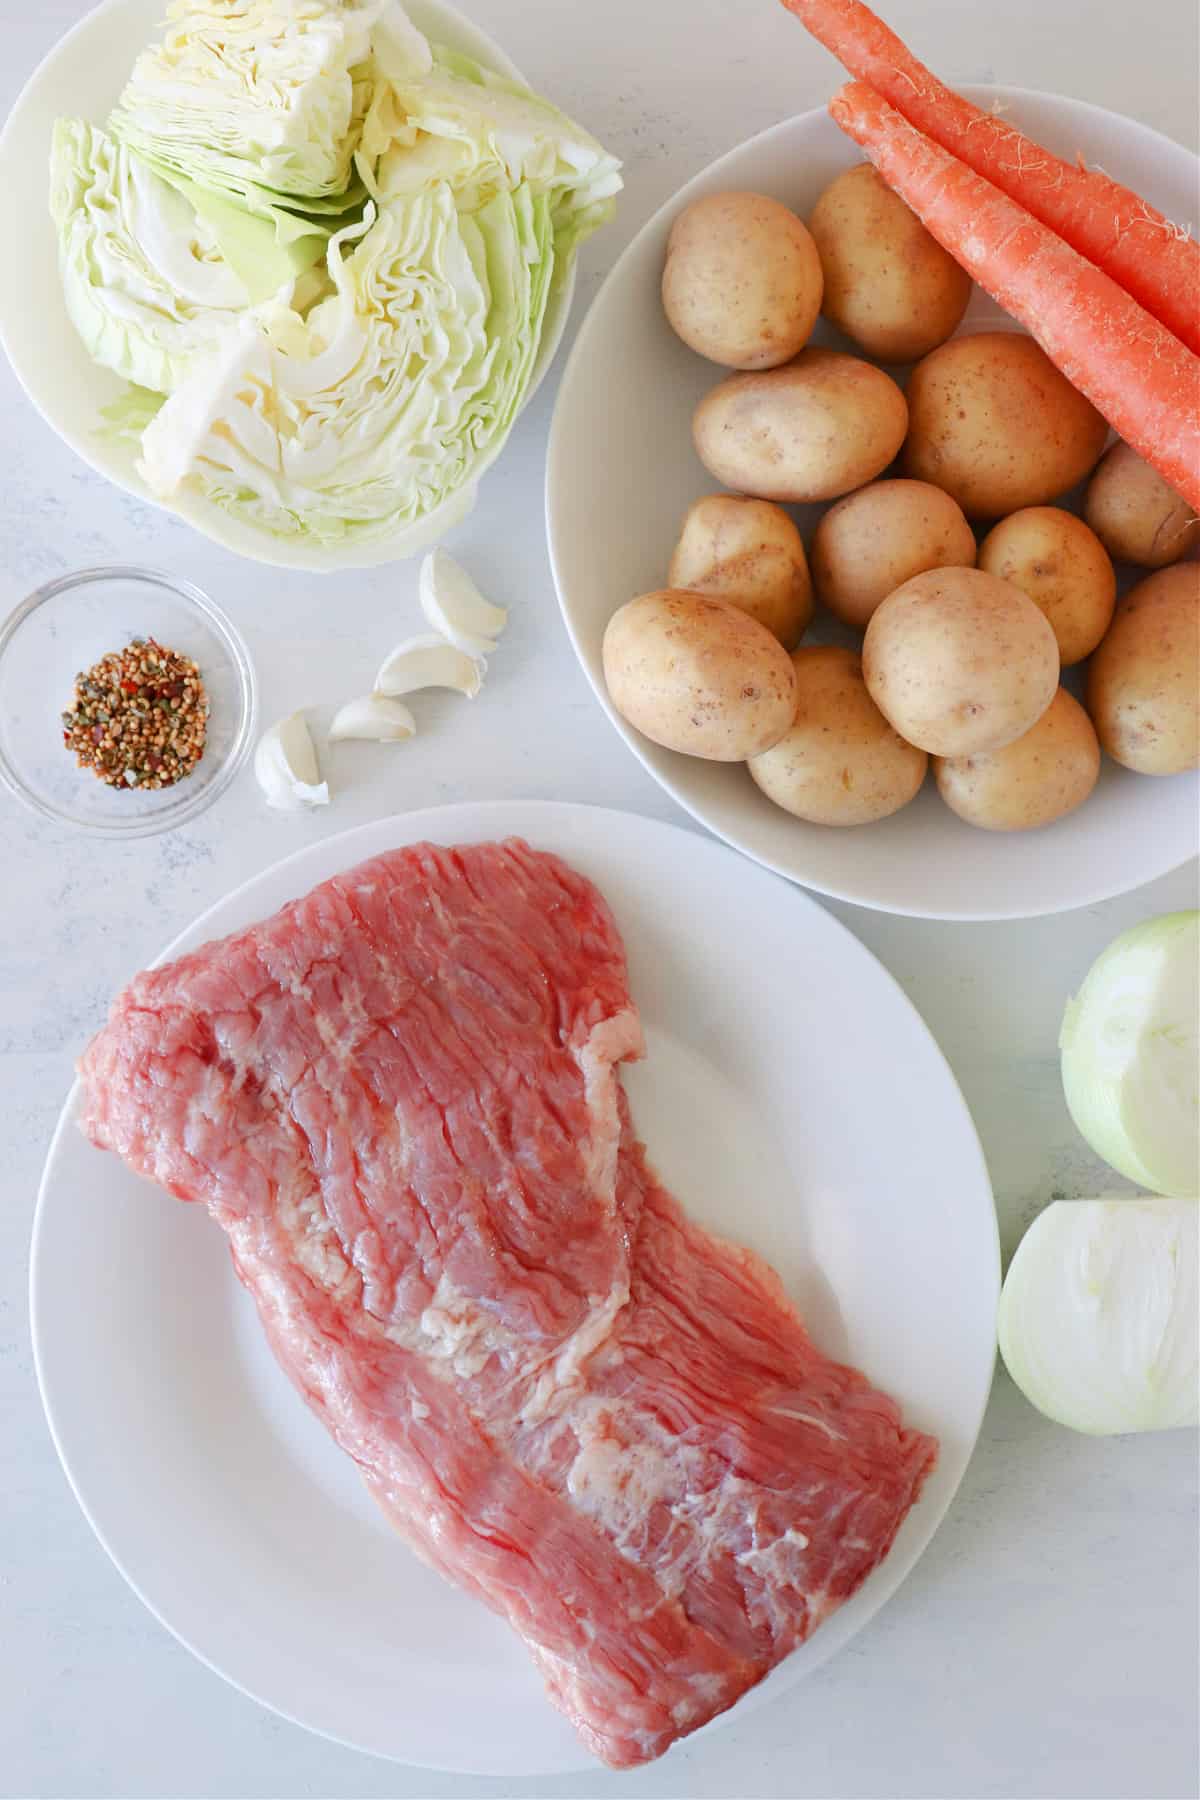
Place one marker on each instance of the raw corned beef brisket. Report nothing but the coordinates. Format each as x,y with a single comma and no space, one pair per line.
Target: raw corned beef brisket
399,1099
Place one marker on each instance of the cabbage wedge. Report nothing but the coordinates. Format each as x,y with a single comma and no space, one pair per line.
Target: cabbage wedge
247,96
330,248
389,400
145,281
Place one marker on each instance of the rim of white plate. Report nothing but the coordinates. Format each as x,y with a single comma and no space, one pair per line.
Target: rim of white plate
446,815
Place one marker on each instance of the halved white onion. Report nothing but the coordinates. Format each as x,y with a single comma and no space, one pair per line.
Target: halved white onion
1131,1057
1098,1318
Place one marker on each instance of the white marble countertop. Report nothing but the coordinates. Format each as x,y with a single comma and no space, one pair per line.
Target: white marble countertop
1046,1645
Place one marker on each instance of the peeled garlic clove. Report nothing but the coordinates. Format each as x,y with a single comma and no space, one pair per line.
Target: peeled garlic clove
377,717
455,607
425,662
285,767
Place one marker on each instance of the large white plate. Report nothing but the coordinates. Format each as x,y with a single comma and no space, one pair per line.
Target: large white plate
792,1096
83,76
622,472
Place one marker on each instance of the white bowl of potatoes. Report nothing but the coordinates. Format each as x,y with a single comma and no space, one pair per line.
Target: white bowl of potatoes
876,533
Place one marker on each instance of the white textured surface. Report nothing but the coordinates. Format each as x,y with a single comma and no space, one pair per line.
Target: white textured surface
1045,1648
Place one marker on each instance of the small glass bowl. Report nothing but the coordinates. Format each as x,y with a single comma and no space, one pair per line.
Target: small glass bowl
70,624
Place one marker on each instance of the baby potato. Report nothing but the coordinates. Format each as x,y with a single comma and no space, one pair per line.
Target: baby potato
697,674
821,426
874,540
1136,516
1040,777
960,662
749,552
1064,568
1143,687
889,285
742,282
841,763
994,423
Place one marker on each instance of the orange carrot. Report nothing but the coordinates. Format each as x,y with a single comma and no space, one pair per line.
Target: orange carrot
1147,255
1143,380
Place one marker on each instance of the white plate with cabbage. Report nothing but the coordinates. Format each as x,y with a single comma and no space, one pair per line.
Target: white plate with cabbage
296,265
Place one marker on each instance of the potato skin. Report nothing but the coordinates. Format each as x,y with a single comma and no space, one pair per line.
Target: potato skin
696,674
889,285
748,552
994,423
840,763
742,281
1136,516
811,431
1040,777
1143,688
1064,568
960,662
874,540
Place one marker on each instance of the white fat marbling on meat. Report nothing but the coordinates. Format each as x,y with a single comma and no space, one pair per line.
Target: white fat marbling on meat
456,1329
762,1556
706,1692
614,1040
626,1466
617,1481
315,1243
806,1418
